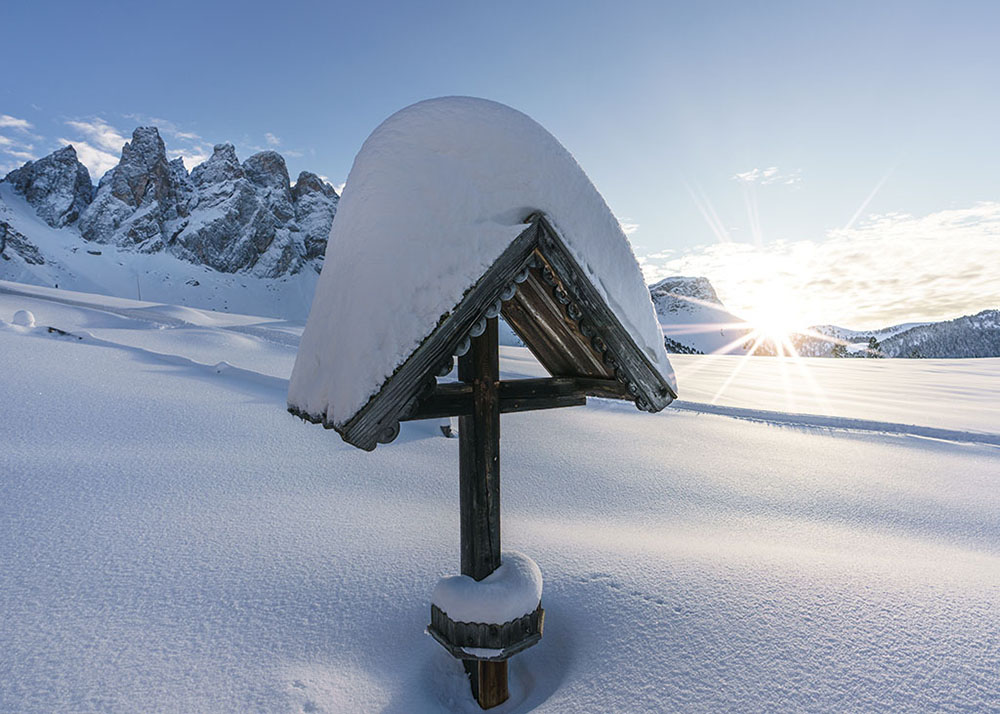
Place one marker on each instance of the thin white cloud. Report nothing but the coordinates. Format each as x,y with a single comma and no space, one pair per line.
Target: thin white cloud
18,154
7,121
106,137
890,269
165,126
272,140
629,227
192,157
106,140
97,161
16,151
768,176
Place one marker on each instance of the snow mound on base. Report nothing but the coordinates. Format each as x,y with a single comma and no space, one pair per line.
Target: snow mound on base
436,194
509,592
24,318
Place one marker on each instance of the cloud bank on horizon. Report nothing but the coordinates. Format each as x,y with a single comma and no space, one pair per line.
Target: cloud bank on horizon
887,269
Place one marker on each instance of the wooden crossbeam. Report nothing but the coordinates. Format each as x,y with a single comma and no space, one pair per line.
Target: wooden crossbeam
517,395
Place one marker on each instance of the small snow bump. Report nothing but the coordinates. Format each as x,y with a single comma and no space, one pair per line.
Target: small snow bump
24,318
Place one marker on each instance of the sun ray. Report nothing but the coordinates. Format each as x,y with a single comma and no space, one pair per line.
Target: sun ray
783,369
864,204
808,377
753,214
739,368
707,211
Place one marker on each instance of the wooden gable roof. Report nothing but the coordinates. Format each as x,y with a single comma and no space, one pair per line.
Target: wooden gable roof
545,296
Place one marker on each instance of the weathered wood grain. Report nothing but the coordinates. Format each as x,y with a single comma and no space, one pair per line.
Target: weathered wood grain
507,639
517,395
632,366
479,457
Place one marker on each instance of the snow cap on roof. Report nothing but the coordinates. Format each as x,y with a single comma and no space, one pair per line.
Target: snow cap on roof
436,194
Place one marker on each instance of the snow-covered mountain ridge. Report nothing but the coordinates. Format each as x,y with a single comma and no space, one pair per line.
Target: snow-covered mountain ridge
245,221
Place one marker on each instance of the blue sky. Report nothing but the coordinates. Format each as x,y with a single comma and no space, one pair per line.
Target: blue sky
725,135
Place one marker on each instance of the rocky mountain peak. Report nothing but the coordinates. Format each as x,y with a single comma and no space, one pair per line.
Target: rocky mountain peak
142,173
267,169
58,186
685,290
222,165
308,182
315,205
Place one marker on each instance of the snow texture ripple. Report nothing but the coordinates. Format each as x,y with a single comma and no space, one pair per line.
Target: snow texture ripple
174,541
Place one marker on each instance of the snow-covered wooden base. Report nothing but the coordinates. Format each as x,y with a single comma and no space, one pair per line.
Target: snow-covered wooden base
484,641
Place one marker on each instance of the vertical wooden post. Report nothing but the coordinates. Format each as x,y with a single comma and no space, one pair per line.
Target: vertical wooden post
479,490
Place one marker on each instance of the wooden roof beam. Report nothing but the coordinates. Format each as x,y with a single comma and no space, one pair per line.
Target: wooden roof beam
517,395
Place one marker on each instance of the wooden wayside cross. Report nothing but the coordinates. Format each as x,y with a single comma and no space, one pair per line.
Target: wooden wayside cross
544,294
453,254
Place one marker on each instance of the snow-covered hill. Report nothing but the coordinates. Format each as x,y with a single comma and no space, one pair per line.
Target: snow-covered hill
970,336
174,540
229,235
694,320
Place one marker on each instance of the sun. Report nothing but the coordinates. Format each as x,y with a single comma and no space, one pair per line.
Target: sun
773,318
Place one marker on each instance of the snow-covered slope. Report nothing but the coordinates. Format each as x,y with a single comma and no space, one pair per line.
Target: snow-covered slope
261,237
68,261
970,336
694,320
855,341
175,541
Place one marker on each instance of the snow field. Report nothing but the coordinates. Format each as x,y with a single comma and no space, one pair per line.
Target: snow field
173,540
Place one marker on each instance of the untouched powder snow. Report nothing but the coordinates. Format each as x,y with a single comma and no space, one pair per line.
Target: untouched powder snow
436,194
509,592
174,541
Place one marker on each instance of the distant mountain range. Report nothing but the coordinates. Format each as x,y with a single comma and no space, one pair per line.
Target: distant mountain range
694,321
239,236
227,235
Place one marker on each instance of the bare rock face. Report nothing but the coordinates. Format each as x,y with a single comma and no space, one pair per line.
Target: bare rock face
58,186
13,242
682,293
315,206
243,218
139,199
